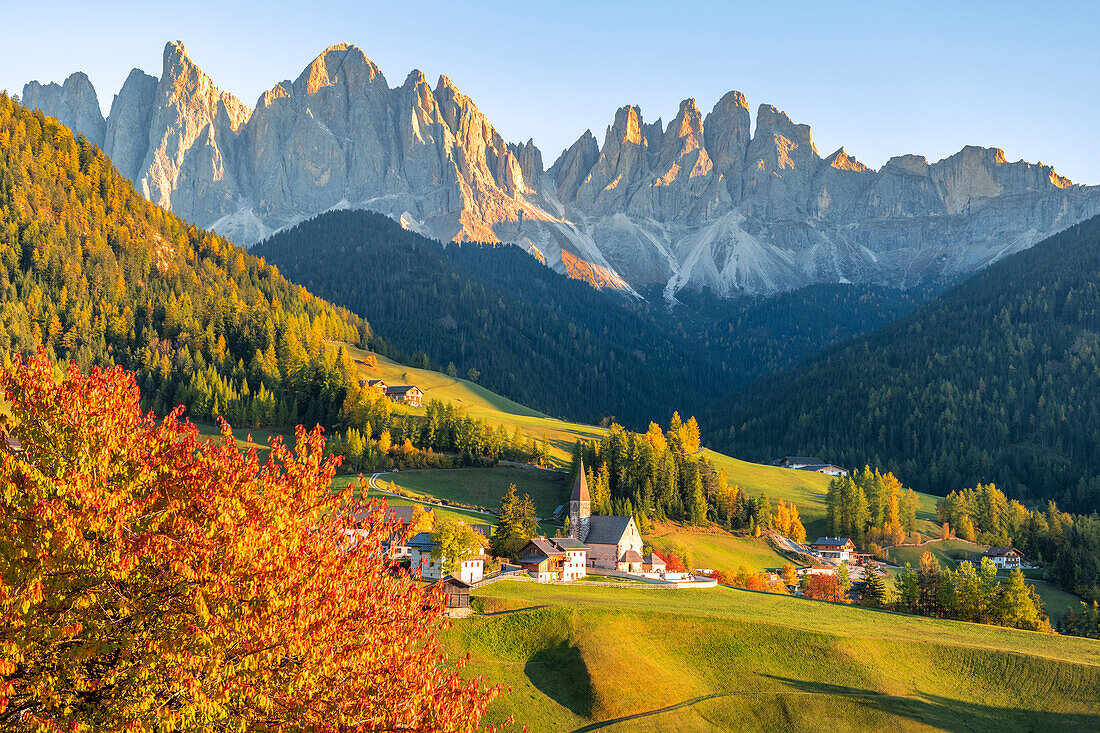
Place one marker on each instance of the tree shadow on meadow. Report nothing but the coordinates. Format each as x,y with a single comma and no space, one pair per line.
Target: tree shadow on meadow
560,673
950,714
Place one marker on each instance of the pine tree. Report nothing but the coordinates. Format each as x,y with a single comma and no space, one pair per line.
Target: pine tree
873,590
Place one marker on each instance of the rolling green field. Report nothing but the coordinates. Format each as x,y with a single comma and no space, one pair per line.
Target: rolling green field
485,486
715,548
586,659
480,402
948,552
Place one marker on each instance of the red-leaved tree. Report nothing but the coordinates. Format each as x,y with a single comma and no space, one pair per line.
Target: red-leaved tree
825,588
152,581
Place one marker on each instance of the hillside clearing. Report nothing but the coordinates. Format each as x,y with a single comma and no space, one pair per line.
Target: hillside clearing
485,486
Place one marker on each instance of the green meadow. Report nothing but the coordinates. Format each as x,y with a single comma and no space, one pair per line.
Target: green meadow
614,659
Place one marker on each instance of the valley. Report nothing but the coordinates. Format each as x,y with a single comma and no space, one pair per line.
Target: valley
342,412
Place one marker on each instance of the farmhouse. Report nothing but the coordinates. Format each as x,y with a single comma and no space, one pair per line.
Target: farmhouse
374,384
1005,558
405,394
798,462
553,559
613,543
834,548
421,546
828,469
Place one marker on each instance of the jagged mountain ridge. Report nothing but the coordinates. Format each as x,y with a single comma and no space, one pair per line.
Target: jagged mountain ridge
702,203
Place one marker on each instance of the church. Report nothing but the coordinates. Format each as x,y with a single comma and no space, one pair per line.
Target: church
614,543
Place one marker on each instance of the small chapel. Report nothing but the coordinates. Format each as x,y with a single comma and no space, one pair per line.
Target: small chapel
614,543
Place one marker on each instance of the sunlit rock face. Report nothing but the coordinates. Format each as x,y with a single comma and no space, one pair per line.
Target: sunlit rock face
73,103
699,203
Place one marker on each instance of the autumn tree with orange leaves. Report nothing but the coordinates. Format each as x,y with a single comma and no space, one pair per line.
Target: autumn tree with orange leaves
150,580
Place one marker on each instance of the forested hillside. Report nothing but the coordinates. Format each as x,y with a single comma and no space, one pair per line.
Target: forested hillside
554,343
100,275
997,380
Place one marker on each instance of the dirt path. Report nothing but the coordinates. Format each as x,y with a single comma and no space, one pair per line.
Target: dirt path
373,483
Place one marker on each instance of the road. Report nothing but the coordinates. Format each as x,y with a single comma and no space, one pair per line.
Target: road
373,483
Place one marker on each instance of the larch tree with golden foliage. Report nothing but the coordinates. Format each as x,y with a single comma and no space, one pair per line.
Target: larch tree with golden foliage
153,581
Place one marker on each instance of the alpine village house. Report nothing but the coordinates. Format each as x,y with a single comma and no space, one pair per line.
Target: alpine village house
402,394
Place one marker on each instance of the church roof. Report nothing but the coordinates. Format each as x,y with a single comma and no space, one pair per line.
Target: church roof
606,530
580,486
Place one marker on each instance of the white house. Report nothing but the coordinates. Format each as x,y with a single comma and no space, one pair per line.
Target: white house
834,548
472,570
1005,558
576,557
420,556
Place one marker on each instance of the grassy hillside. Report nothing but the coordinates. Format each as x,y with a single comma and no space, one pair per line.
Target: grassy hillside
479,402
715,548
806,489
586,659
485,486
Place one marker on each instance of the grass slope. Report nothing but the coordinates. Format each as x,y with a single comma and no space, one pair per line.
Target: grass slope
805,488
480,402
485,486
586,659
715,548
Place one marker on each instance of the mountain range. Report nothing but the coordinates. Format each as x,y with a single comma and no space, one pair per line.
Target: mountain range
703,203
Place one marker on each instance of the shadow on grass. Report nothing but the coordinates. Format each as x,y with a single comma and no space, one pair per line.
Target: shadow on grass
951,714
508,611
560,673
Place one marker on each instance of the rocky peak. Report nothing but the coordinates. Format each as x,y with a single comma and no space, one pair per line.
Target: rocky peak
530,162
74,103
770,121
841,161
573,165
127,136
342,63
622,165
726,138
909,163
781,162
684,136
185,103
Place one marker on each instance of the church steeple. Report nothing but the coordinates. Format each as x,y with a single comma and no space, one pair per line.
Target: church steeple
580,506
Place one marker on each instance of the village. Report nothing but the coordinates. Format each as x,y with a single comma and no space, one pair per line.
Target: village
609,551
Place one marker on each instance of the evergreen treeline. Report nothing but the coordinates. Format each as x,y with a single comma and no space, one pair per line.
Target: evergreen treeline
409,441
871,508
101,276
1067,545
658,475
997,380
554,343
969,593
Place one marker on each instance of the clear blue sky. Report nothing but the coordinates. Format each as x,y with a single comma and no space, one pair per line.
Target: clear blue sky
880,78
